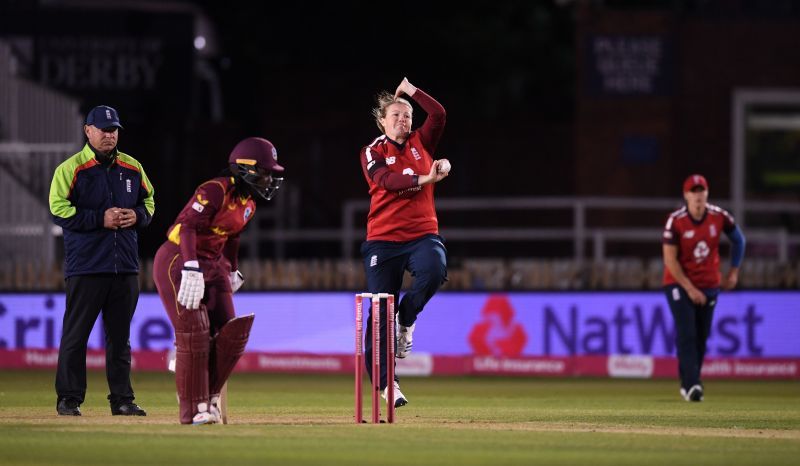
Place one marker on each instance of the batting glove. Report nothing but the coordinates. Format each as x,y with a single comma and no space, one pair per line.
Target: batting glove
237,279
192,285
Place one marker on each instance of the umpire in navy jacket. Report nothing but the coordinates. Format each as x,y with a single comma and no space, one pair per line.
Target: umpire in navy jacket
99,197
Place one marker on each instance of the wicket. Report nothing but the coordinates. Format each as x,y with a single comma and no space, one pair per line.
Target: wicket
375,298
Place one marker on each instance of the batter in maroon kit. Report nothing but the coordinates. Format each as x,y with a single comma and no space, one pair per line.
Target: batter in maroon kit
196,274
692,277
402,228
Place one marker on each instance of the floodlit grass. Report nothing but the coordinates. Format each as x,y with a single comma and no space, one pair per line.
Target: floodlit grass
281,419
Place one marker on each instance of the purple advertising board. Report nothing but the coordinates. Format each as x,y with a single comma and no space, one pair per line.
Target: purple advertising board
746,324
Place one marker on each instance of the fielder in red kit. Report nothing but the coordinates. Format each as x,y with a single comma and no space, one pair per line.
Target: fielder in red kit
402,229
196,274
692,277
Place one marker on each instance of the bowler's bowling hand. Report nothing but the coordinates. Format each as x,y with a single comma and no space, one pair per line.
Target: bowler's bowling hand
406,88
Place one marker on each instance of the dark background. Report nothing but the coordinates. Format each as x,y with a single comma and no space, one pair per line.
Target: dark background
525,115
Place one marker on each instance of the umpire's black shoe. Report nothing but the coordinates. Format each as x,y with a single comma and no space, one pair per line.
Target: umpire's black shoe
128,408
67,407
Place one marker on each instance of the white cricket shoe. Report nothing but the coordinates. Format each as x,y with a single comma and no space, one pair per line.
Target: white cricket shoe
405,340
214,410
217,408
204,416
399,398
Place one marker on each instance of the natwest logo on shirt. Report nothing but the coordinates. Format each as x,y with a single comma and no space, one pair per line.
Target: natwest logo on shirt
701,251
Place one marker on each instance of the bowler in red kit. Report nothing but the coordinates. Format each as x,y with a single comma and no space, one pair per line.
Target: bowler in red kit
402,229
196,274
692,278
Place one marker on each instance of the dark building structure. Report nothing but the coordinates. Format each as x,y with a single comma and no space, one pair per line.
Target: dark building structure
561,98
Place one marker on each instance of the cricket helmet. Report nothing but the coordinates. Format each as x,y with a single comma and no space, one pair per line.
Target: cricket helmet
255,161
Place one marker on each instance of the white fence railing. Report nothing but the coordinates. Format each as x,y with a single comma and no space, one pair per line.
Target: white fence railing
26,227
579,233
30,112
39,129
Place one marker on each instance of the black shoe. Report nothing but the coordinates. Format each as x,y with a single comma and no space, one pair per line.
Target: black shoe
67,407
128,408
696,393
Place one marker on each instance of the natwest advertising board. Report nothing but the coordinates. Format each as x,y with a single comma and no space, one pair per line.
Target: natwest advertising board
755,334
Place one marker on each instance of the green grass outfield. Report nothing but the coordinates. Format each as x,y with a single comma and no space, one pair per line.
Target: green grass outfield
281,419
